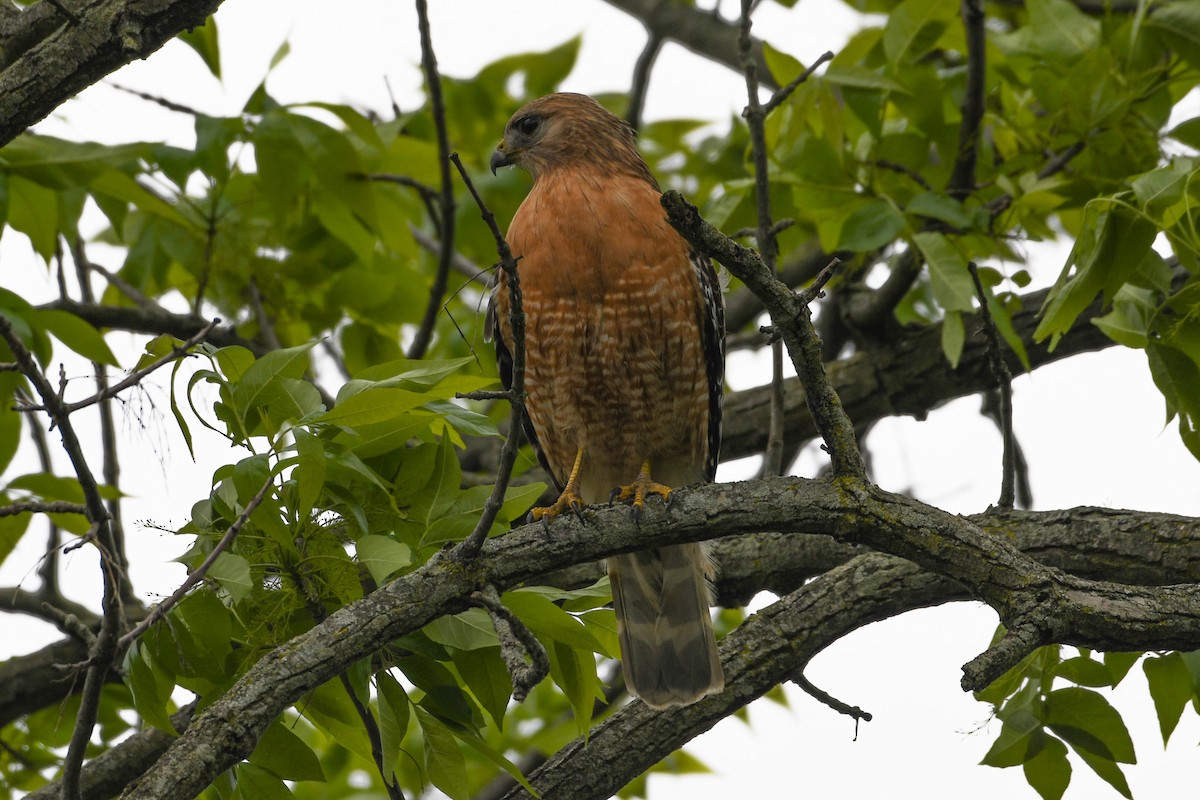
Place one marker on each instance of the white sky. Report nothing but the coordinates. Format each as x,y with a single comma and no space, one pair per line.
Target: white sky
1092,427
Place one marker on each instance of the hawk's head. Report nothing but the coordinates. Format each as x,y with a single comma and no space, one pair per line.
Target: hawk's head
567,129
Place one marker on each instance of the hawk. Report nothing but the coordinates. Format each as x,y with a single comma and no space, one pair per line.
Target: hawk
624,372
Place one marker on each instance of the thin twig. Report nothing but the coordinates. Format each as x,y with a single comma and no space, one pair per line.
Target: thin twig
470,546
446,204
161,101
785,92
198,574
100,656
854,712
816,289
516,642
1003,380
460,263
394,791
66,12
962,179
755,114
79,253
484,394
641,77
136,376
42,507
793,321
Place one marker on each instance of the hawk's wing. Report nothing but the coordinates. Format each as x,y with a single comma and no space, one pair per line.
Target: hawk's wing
493,332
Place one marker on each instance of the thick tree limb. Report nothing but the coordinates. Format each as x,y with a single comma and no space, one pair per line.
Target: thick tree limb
153,322
61,57
704,33
1024,592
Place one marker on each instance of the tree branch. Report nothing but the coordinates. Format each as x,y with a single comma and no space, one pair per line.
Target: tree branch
985,566
59,60
446,204
792,320
701,32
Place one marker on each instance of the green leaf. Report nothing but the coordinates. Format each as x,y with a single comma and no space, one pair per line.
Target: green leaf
444,762
33,210
952,285
79,335
309,473
1109,771
870,226
470,630
484,673
1113,242
546,619
232,572
1049,772
940,207
329,708
1187,132
443,694
382,555
1179,24
491,754
150,687
1119,664
251,388
1021,731
575,673
1086,721
1171,688
1084,671
203,39
393,720
954,335
256,783
1059,30
913,28
286,755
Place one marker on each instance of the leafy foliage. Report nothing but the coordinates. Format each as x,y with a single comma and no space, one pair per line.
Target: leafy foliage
284,219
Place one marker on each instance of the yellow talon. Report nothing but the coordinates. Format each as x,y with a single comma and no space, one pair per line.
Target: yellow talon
637,491
569,499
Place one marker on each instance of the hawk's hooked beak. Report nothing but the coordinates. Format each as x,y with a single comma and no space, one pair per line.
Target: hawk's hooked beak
500,159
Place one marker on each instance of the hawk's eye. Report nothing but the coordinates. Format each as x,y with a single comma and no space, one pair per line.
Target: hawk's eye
527,125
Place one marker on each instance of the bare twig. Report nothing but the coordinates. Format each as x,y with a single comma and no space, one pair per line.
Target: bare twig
446,204
136,376
783,94
516,642
962,179
42,507
460,263
816,289
821,695
791,318
1004,384
641,76
470,546
394,792
755,114
100,656
170,105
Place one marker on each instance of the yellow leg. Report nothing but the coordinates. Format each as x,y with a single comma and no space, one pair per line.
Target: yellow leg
637,491
569,499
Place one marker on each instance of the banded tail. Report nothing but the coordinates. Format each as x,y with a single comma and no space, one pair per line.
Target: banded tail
668,651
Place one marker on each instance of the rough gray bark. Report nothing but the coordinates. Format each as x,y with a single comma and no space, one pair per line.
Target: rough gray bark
49,56
1043,603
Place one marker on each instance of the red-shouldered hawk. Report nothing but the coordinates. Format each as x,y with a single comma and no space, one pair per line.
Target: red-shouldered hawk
625,341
